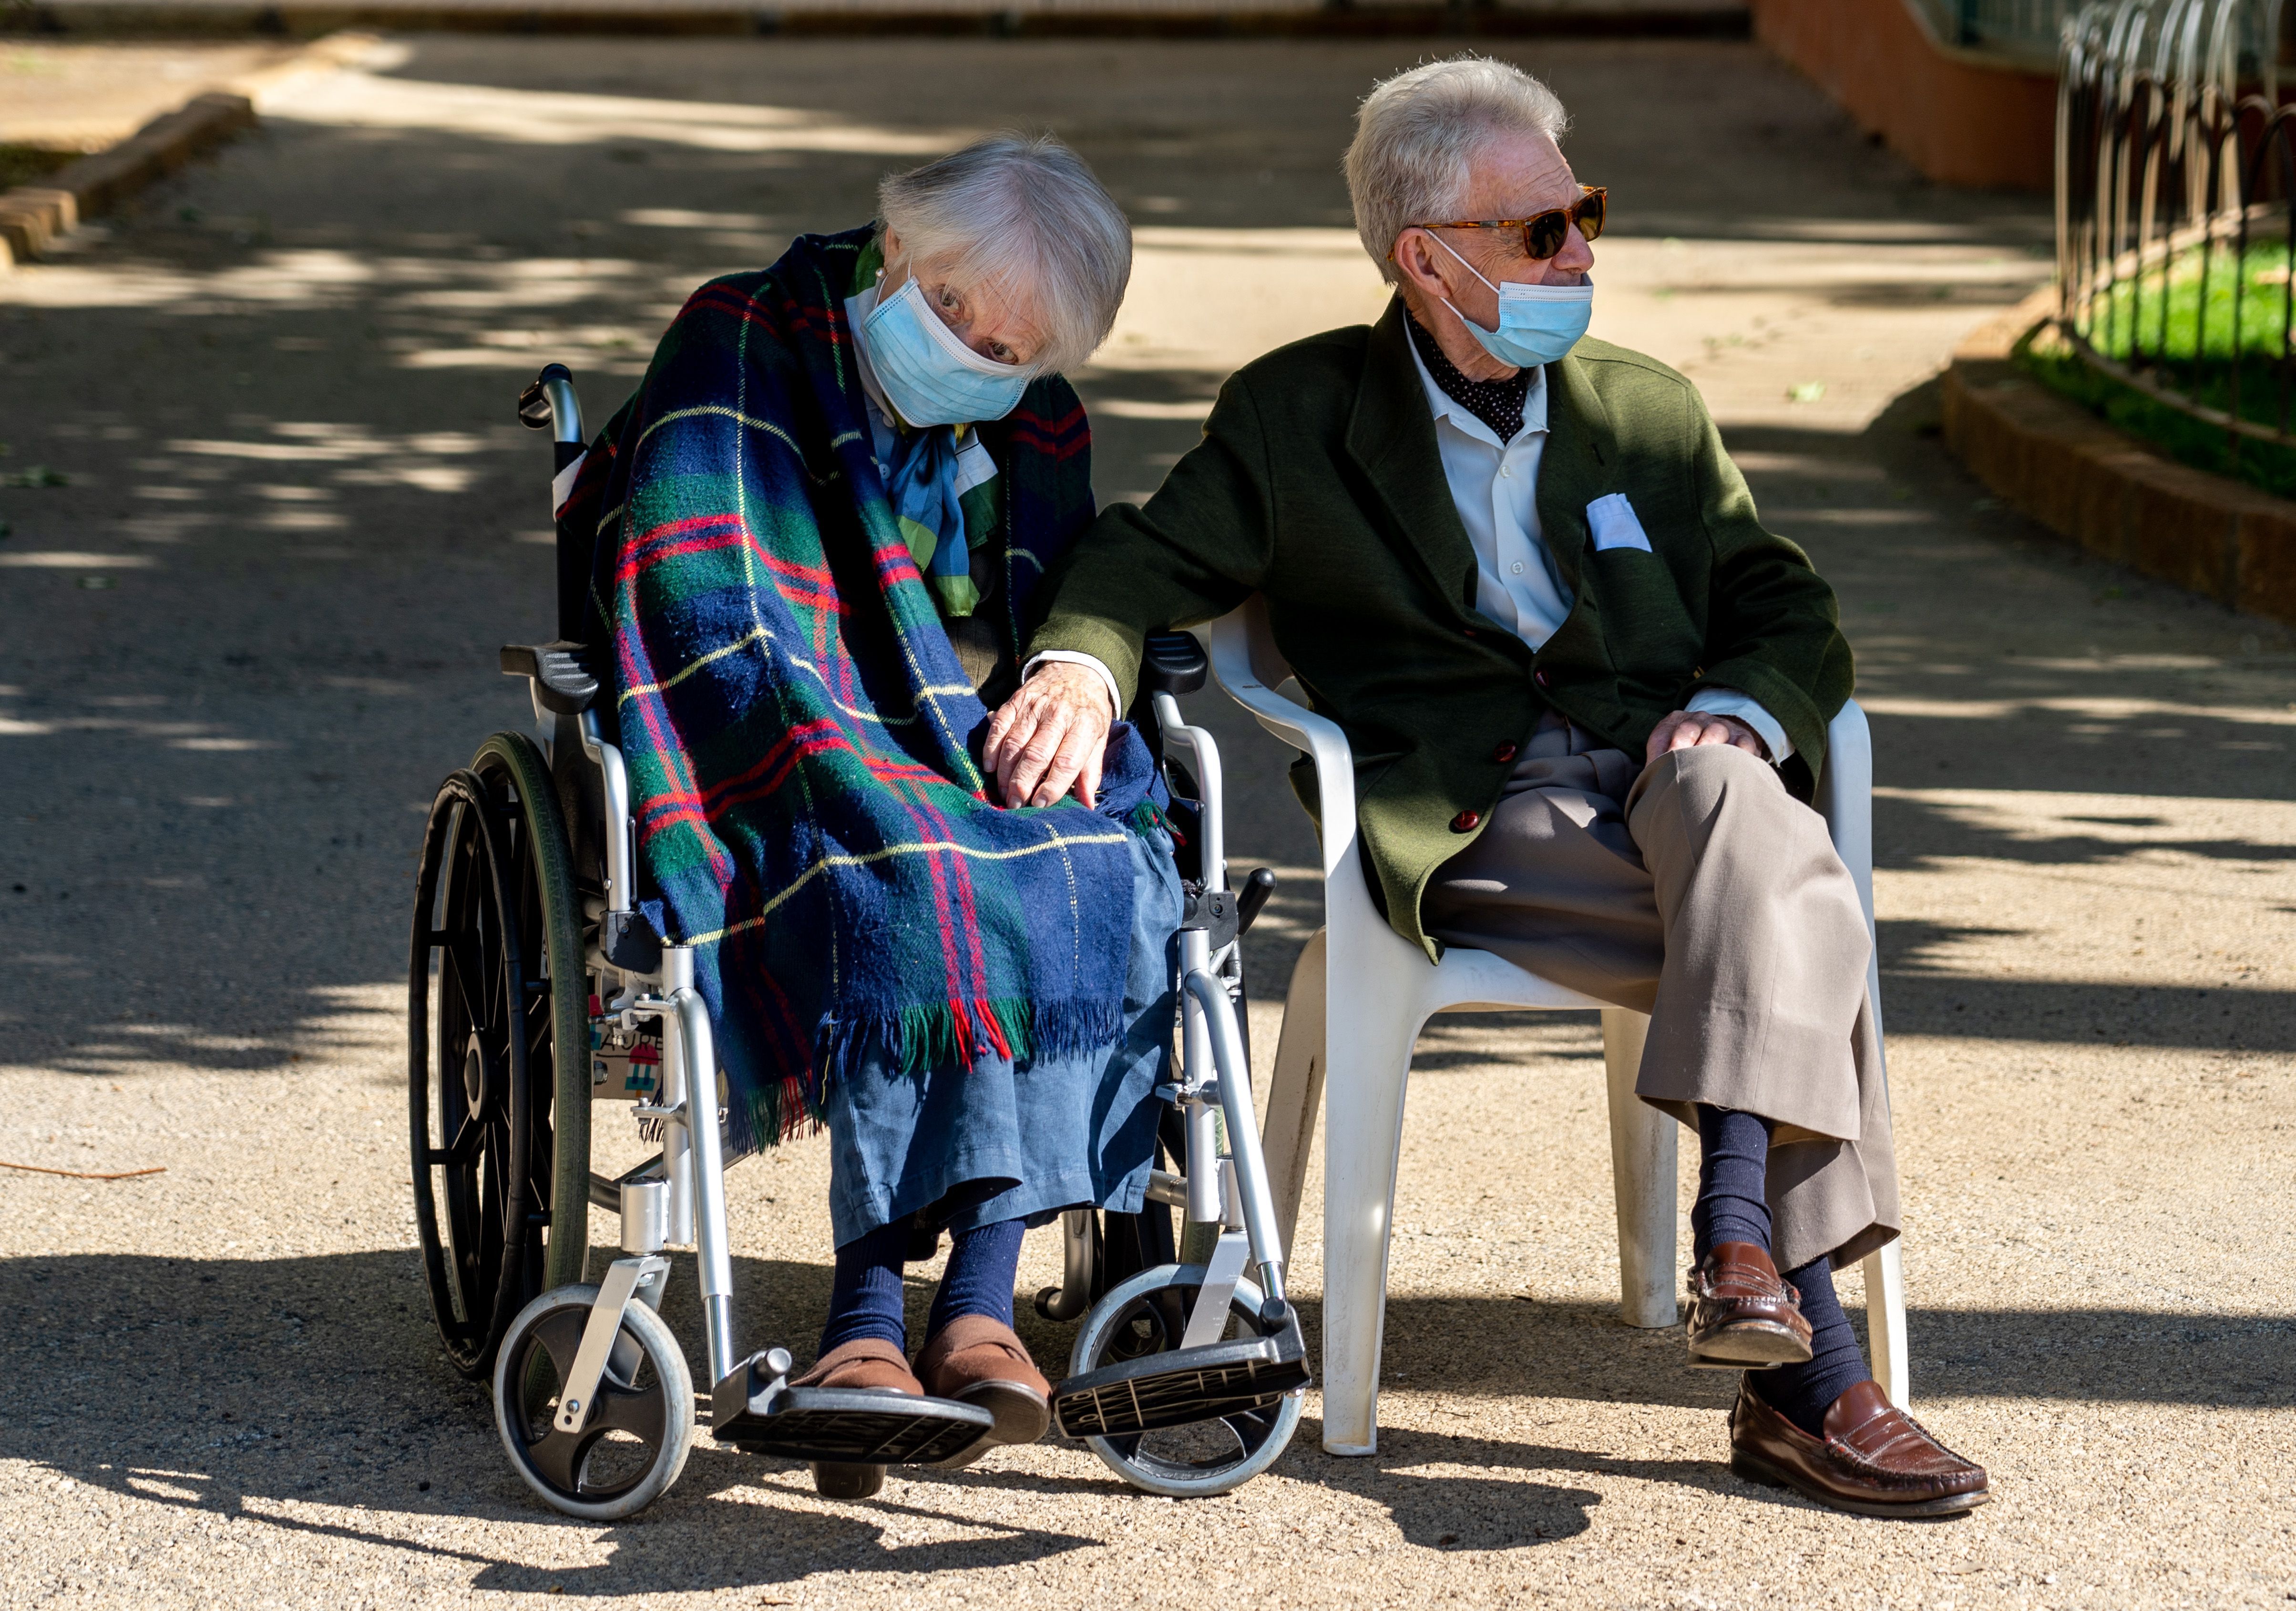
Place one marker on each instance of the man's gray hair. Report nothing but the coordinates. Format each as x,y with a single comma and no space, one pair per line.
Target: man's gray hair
1022,213
1416,132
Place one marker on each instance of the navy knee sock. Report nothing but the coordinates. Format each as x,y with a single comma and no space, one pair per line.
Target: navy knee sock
864,1294
1803,1393
982,1264
1734,1164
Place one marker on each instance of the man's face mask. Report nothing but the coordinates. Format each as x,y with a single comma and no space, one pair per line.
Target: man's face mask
1537,323
930,377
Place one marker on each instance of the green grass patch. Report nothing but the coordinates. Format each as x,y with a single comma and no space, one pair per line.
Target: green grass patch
2184,332
30,164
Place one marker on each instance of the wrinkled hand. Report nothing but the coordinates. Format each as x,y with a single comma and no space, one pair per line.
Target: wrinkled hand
1049,737
1686,730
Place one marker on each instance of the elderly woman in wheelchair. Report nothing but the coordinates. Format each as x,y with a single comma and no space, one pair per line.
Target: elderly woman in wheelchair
794,566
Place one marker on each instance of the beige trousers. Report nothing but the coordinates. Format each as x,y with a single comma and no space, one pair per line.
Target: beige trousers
1698,890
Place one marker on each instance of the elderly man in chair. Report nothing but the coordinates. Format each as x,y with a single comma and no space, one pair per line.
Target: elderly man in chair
1587,695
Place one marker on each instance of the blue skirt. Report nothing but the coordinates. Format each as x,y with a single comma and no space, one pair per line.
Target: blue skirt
1004,1141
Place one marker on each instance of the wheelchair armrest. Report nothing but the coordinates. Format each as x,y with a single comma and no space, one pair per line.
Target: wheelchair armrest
559,672
1173,663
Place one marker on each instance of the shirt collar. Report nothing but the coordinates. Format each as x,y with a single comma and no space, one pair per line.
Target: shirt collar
1534,403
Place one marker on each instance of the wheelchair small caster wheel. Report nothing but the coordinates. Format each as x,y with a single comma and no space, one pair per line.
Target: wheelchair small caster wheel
1148,1315
641,1424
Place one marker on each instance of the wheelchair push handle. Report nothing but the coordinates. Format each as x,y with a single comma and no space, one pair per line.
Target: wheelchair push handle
549,401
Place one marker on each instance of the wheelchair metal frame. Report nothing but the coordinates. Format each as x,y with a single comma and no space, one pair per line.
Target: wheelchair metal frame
678,1198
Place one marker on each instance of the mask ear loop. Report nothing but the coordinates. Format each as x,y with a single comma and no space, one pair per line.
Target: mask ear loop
1471,269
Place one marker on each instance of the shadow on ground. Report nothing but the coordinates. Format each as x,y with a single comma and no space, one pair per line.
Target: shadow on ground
258,1387
322,1375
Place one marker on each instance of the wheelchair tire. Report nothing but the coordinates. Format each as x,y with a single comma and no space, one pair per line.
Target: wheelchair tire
641,1431
1147,1314
499,1122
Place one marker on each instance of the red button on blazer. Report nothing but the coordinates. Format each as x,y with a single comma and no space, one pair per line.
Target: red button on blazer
1466,822
1504,754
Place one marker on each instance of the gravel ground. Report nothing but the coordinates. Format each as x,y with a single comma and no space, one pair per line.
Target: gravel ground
255,623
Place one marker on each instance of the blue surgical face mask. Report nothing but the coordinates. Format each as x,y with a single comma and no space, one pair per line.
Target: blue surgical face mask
930,377
1537,323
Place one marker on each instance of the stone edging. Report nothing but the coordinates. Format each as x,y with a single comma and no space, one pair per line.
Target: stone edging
33,216
2053,461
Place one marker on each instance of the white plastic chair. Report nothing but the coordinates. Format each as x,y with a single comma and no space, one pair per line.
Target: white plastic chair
1360,995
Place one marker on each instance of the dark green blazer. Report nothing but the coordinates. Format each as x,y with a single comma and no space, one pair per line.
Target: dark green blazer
1318,485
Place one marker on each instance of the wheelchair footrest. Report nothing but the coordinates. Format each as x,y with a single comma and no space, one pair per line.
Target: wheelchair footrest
757,1411
1182,1387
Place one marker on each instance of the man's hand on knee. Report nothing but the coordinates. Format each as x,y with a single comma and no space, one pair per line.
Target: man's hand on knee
1687,730
1049,737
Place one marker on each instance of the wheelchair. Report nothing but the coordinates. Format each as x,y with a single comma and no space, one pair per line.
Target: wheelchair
541,1000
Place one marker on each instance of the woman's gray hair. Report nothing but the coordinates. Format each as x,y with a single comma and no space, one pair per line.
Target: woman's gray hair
1023,213
1416,132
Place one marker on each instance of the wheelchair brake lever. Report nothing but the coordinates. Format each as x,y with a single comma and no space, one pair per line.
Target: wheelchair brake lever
1253,897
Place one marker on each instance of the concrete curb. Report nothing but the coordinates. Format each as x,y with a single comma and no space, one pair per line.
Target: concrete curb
2051,460
32,215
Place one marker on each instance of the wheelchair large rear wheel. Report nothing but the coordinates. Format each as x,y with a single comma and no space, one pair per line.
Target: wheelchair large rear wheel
499,1121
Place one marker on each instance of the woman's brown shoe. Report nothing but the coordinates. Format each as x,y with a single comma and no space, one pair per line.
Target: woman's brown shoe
1874,1458
870,1363
1742,1317
978,1360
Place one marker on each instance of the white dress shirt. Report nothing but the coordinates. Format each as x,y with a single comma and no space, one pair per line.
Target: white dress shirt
1495,487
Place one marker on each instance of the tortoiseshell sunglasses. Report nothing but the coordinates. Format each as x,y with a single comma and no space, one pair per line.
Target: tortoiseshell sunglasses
1544,235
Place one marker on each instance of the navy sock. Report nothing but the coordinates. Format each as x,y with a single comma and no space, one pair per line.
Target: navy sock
1734,1165
1803,1393
864,1293
983,1263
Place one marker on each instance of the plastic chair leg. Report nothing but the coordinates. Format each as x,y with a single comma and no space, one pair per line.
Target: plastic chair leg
1370,1037
1641,1177
1295,1096
1885,1320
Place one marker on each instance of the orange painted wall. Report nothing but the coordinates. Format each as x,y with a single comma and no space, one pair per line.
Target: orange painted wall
1960,122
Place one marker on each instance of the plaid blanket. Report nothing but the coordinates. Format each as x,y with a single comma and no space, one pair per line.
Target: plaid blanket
801,742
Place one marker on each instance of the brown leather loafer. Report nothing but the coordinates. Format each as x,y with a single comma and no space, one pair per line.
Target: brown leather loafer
1742,1316
978,1360
1874,1458
867,1363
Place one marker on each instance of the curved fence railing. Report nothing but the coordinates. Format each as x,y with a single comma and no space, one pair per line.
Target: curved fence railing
2175,164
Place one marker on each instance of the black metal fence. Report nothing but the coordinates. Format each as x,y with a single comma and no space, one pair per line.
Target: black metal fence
2176,163
2016,28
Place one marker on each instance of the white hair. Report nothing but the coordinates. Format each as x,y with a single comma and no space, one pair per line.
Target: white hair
1022,213
1416,132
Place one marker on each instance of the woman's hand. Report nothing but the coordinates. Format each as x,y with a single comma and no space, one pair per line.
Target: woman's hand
1049,737
1687,730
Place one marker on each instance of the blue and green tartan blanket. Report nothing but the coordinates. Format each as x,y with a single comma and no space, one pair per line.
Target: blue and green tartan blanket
802,743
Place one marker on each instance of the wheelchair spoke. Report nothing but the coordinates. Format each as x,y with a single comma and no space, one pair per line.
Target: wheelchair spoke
560,1456
560,1333
639,1413
463,1151
454,950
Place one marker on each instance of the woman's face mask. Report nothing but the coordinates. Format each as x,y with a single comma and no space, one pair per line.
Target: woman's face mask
1537,323
929,376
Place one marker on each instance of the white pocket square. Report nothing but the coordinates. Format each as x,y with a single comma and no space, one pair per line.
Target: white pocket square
1614,525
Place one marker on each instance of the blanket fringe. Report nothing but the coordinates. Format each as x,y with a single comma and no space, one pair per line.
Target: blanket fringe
1147,815
913,1040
